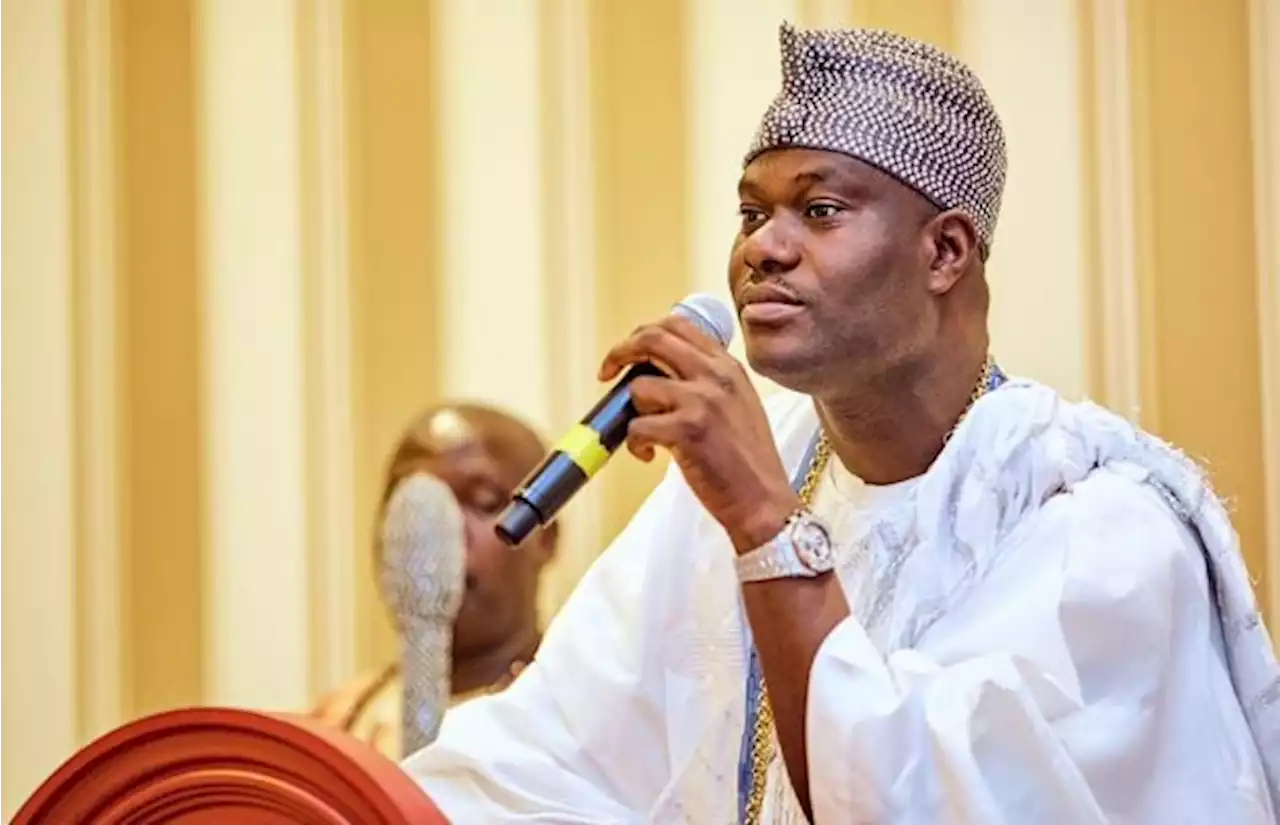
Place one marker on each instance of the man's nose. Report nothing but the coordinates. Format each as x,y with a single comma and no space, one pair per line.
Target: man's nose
773,248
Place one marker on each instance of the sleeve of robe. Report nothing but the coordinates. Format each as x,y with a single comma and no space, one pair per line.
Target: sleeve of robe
1082,666
579,736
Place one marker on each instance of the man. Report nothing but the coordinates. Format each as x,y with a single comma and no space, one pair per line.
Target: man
473,456
909,591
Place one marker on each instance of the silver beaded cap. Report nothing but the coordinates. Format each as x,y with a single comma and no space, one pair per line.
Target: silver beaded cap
898,104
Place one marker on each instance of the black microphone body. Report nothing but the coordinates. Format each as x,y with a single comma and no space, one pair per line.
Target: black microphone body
573,462
589,445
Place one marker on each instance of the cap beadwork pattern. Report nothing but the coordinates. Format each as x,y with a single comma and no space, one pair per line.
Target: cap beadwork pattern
901,105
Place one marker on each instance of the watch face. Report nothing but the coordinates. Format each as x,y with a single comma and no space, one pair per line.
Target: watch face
813,544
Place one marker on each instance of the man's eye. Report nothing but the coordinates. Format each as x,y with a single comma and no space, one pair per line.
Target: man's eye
751,216
822,210
487,504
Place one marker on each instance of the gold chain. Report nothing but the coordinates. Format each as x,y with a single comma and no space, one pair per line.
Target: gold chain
762,731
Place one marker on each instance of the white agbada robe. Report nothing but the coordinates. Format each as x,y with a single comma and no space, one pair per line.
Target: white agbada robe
1046,646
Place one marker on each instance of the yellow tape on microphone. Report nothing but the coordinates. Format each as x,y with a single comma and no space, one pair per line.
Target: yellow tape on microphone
582,445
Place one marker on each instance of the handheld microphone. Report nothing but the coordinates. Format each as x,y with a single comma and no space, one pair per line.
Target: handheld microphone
590,444
423,581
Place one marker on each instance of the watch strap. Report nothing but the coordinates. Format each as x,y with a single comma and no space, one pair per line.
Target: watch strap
776,559
779,557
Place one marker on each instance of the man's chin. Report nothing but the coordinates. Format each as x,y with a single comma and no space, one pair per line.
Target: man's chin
784,361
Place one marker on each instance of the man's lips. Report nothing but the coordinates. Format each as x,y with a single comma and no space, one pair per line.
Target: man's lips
769,312
764,304
767,293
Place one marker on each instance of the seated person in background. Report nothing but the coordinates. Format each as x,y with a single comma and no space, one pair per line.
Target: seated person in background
451,474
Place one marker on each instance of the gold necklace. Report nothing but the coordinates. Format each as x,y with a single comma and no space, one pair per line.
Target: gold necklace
762,730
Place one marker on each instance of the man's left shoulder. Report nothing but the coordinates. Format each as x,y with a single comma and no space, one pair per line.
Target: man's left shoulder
1119,519
1122,491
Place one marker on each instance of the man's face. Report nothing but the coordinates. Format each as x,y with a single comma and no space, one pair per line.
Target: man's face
829,269
501,582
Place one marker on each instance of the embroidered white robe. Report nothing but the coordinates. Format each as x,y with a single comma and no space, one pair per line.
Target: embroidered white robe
1070,638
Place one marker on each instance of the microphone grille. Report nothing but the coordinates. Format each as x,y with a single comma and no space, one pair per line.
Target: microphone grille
423,549
424,556
711,314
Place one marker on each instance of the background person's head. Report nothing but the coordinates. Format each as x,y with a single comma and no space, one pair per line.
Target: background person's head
482,454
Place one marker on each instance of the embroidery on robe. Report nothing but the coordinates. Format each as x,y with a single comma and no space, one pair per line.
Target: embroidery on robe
755,676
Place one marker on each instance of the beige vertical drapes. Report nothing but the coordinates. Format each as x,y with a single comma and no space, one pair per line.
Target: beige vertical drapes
246,243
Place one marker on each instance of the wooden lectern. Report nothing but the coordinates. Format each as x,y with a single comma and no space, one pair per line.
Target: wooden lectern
206,765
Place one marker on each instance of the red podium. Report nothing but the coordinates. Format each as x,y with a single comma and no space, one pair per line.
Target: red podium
205,765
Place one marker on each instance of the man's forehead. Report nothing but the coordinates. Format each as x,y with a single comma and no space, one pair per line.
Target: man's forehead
805,167
447,430
465,461
478,441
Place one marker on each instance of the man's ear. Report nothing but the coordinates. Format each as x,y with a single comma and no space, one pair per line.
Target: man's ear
953,248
